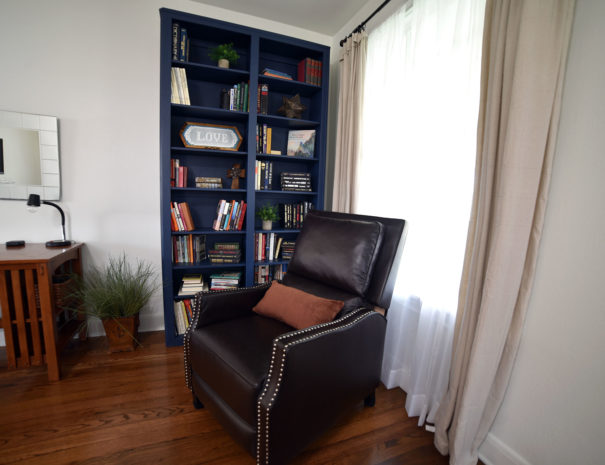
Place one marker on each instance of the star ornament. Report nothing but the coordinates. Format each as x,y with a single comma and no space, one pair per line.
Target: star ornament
291,107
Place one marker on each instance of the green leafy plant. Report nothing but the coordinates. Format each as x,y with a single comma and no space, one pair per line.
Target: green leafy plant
224,51
116,290
267,212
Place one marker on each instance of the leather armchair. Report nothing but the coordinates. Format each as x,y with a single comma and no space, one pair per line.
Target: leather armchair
276,389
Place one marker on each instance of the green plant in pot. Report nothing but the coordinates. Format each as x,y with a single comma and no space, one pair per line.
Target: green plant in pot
268,214
116,293
224,54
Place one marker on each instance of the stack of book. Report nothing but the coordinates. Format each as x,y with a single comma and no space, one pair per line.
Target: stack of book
180,217
190,248
267,273
309,71
179,90
267,246
292,215
262,101
183,314
276,74
225,252
180,43
287,249
192,284
230,215
263,171
178,173
206,182
226,280
235,98
299,182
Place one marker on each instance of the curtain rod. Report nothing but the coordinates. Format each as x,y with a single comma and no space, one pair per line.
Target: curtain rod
362,25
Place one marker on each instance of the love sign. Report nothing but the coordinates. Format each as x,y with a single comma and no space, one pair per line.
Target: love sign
211,136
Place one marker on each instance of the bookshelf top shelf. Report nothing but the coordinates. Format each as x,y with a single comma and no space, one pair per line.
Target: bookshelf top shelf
200,71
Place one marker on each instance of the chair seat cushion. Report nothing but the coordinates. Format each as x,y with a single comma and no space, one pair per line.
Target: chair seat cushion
233,358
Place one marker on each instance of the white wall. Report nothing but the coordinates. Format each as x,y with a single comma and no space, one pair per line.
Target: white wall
554,409
95,65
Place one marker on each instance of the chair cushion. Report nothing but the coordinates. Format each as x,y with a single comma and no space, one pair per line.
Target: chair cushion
233,357
338,252
295,307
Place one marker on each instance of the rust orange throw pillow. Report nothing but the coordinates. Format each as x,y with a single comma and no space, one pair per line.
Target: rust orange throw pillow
297,308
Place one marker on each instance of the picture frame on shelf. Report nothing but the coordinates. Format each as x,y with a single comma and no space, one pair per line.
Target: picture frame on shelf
211,136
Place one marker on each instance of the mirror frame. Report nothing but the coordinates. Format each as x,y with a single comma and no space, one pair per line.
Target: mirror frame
50,174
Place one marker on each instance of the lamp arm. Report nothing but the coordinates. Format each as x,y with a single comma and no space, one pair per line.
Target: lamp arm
46,202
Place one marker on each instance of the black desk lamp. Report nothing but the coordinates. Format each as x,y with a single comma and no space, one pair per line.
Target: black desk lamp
34,201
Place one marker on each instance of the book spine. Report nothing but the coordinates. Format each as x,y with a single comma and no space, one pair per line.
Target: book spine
176,35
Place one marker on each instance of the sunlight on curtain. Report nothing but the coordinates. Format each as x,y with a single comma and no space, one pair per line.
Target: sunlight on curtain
418,153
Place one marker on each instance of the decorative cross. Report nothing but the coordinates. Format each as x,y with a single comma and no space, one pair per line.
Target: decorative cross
235,172
291,107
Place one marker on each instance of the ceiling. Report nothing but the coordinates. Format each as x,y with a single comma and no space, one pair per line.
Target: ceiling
323,16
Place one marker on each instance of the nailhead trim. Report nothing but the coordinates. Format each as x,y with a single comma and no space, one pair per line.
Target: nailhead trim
196,318
310,333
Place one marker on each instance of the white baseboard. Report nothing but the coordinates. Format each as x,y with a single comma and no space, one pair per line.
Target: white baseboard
495,452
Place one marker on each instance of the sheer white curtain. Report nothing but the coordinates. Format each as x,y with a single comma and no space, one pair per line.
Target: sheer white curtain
418,151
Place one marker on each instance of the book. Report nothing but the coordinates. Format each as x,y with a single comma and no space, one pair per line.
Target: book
176,37
301,143
276,74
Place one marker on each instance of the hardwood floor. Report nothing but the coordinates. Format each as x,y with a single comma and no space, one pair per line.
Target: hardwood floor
134,408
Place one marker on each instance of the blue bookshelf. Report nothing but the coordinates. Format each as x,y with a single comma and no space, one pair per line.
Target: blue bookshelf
258,50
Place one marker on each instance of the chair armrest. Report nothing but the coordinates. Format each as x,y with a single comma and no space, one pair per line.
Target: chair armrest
215,306
315,375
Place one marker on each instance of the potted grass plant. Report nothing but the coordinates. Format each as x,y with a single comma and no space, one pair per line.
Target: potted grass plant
116,293
224,54
268,214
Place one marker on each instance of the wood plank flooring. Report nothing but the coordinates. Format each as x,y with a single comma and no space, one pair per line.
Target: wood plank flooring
134,408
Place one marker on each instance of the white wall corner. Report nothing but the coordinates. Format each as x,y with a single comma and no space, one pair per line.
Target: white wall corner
495,452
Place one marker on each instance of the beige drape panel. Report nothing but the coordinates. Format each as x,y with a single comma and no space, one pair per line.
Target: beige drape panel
350,99
524,53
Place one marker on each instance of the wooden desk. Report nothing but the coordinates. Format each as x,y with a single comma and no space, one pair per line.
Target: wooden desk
23,271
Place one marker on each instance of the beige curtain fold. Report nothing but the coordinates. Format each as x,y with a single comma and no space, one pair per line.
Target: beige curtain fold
524,54
348,132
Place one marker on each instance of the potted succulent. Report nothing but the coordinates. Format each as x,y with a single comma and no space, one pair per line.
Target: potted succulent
224,54
115,294
268,214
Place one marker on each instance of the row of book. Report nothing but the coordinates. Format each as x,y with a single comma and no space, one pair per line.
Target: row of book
190,248
178,173
309,71
262,99
264,137
263,171
229,215
180,43
208,182
292,215
225,252
180,217
298,182
179,89
268,246
235,98
267,273
183,314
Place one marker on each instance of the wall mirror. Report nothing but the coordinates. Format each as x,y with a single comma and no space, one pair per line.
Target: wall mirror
29,156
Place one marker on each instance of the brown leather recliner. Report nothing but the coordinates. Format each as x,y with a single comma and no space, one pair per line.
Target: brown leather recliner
276,389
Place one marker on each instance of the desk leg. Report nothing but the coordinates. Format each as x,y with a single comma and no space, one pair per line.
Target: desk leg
48,323
6,321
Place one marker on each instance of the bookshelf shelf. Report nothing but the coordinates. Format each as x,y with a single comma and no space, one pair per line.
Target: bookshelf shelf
208,112
205,83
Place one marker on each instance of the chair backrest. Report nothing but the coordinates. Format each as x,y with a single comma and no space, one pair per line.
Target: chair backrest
356,253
